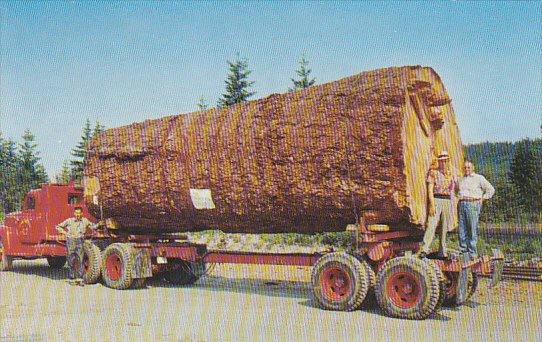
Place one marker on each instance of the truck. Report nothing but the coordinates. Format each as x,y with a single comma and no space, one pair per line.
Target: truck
350,154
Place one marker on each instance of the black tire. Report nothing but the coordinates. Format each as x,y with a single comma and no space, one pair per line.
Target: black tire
56,262
442,285
6,262
92,262
185,273
370,299
117,264
407,287
452,278
340,282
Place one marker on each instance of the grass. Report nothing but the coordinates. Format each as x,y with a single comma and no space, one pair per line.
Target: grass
517,242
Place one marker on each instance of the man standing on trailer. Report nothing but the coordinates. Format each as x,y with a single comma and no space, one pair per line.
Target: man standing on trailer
473,190
75,237
440,189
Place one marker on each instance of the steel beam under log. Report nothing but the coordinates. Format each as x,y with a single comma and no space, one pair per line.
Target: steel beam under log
291,259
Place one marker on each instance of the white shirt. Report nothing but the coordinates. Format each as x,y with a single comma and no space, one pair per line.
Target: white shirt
475,186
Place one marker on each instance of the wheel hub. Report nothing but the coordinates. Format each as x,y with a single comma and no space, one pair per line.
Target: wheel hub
113,267
336,283
404,290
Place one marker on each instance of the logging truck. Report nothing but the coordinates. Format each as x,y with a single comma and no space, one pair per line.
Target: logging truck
351,153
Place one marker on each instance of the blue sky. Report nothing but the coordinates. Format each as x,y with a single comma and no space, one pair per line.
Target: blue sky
120,62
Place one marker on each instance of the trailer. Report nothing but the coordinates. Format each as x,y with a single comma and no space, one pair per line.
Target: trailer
350,154
382,265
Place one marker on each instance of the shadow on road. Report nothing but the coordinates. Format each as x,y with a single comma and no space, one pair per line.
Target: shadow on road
40,268
215,283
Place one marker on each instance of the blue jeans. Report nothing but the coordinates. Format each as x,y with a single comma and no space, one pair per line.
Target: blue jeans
74,254
468,212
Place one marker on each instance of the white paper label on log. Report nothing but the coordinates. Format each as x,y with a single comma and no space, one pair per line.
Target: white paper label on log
201,198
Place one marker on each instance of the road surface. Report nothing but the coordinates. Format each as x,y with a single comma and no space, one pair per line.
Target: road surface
242,303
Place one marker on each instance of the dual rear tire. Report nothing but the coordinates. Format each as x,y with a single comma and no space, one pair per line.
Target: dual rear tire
405,287
341,281
117,264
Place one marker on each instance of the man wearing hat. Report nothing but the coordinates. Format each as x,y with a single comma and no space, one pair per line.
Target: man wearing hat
441,183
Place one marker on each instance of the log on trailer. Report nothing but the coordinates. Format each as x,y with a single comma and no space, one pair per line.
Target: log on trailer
307,161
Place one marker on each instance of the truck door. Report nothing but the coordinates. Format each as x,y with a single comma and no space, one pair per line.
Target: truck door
28,225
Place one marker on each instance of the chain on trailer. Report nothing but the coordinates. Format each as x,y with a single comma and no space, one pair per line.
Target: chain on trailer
188,268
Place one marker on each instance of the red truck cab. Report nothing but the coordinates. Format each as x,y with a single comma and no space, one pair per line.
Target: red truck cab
30,233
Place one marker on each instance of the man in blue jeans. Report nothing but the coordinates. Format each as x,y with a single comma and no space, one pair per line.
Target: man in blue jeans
74,229
473,190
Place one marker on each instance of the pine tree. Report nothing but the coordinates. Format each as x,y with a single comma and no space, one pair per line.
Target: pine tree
98,128
80,152
31,173
237,85
202,104
9,186
64,176
303,72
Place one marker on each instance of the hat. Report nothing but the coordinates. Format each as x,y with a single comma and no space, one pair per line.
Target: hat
443,155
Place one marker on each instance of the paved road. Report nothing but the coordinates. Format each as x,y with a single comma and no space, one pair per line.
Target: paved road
242,303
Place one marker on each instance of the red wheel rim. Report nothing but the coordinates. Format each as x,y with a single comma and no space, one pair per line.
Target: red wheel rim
404,290
113,266
335,283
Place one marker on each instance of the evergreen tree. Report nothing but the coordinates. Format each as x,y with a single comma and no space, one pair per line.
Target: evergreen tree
202,104
10,180
31,173
237,85
526,175
98,128
303,72
80,152
64,176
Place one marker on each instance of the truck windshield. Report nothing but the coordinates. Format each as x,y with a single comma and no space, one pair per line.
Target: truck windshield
74,199
30,203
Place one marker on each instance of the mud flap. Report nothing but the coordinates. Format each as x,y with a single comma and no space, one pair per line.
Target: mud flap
498,265
462,284
142,267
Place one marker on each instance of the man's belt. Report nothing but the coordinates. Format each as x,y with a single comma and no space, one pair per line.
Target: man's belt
441,196
469,200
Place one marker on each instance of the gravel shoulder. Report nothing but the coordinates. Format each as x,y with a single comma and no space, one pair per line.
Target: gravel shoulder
242,303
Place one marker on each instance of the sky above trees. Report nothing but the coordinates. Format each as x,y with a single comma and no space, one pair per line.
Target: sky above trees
121,62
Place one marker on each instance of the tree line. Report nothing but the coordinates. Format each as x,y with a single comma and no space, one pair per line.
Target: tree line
21,169
515,170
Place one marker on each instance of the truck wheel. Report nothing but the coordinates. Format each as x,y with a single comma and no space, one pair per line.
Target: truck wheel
370,299
442,285
117,265
92,260
340,281
56,262
6,262
184,274
407,287
452,279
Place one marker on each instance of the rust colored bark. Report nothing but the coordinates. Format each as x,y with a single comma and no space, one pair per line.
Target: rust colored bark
305,161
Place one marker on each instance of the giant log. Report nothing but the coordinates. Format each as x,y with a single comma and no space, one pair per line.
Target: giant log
313,160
